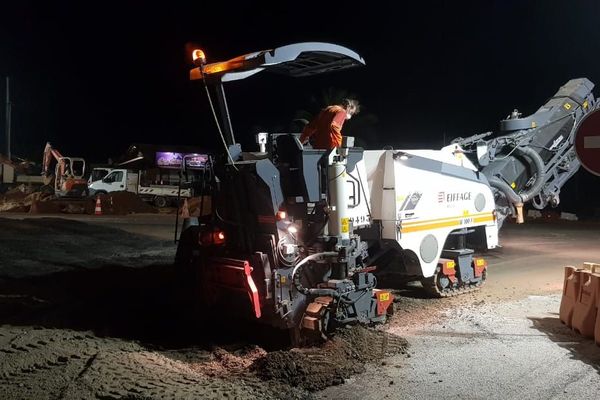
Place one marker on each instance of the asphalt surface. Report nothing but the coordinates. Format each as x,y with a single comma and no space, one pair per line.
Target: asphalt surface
503,342
160,226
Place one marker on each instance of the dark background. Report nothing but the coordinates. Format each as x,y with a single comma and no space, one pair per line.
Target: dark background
92,77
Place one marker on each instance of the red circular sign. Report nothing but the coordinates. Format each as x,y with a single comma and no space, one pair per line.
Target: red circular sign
587,142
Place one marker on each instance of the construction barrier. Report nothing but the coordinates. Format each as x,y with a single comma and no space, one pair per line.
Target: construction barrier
580,303
586,307
571,287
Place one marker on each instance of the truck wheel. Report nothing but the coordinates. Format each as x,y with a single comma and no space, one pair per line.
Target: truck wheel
160,201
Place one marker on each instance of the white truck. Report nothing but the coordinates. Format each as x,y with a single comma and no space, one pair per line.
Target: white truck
123,179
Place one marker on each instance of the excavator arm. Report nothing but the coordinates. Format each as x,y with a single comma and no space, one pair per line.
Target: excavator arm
49,154
68,173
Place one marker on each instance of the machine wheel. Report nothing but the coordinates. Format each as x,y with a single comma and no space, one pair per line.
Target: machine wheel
160,201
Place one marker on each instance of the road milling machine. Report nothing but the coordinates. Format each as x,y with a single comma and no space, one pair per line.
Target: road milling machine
530,159
298,236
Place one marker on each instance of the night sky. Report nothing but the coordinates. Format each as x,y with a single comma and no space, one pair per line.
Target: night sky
92,77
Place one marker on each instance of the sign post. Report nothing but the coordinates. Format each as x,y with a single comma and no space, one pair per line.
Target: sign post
587,142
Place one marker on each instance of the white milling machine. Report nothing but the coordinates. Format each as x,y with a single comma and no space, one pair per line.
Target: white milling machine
298,236
431,203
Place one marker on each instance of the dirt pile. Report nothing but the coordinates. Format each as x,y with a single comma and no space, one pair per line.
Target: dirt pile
226,362
122,203
118,203
346,354
21,199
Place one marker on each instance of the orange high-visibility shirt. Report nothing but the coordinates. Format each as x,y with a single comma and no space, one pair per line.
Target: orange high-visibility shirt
326,128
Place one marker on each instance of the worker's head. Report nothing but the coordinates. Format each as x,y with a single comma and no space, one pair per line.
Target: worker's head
351,106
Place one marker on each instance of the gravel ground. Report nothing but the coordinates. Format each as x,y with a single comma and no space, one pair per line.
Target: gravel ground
503,342
513,350
90,311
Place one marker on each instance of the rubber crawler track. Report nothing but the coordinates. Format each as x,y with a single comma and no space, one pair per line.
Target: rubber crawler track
431,287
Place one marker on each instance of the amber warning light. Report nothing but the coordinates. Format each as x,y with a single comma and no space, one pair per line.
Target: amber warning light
199,57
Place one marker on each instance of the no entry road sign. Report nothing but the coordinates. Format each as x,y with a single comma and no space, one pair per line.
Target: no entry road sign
587,142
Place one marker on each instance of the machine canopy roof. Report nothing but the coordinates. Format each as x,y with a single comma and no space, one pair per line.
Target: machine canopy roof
296,60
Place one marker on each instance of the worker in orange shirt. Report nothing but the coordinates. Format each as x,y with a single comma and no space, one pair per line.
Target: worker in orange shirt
326,129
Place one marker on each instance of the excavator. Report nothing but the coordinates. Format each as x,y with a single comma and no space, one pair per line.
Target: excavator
298,236
67,180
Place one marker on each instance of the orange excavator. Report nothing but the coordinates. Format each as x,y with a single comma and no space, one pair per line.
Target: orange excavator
68,173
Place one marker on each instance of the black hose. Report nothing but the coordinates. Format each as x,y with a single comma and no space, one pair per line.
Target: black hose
537,165
296,272
505,188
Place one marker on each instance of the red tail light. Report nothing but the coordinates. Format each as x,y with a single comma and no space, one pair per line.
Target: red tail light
211,237
219,237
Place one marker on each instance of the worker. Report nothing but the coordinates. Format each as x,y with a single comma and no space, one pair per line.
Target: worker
326,129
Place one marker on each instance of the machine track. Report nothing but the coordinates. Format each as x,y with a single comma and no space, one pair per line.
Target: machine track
434,287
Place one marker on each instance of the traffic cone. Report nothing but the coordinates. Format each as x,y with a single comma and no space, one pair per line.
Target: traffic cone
98,210
187,219
185,210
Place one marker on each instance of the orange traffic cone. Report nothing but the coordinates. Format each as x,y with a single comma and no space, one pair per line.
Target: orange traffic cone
98,210
185,209
187,219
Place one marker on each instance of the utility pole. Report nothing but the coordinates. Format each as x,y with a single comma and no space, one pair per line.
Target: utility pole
8,118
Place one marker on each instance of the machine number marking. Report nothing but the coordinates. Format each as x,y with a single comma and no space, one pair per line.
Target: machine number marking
345,225
466,221
421,225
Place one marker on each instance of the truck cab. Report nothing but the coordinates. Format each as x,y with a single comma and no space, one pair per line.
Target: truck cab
98,173
116,180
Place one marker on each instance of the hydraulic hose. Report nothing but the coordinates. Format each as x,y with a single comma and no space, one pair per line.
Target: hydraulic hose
296,275
538,168
538,165
505,188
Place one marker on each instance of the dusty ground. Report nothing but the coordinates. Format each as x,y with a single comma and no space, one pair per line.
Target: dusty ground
503,342
88,310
